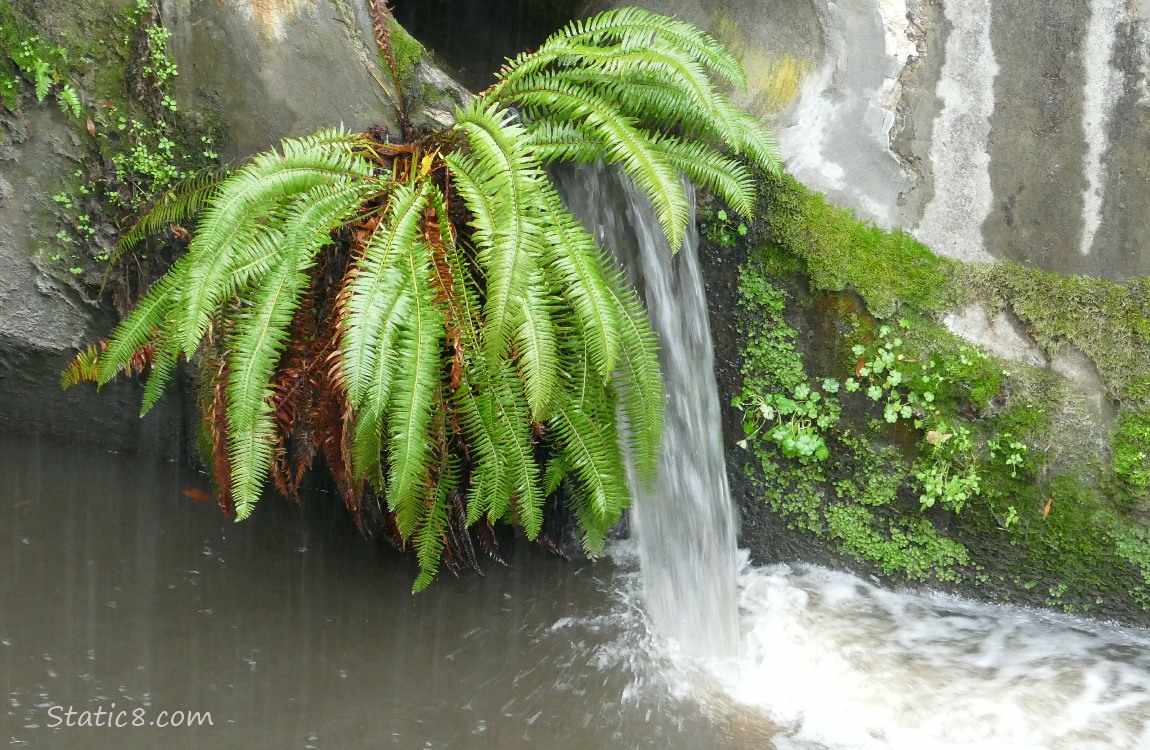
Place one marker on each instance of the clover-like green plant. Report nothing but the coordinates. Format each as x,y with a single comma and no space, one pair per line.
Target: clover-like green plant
428,315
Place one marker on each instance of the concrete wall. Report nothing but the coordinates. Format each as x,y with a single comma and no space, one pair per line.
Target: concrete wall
989,129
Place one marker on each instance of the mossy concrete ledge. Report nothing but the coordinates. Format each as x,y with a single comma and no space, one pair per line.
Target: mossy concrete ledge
880,422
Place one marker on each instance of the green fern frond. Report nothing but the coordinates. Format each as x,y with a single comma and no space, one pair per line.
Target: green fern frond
84,367
501,185
337,139
755,141
636,28
430,539
141,326
578,264
616,67
563,142
641,388
175,205
517,455
592,532
557,470
485,434
626,145
261,334
729,179
476,402
413,386
230,225
257,342
650,99
538,352
376,283
592,451
164,360
69,100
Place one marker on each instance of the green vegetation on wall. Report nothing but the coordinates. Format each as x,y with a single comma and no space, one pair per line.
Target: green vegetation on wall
32,65
112,76
917,454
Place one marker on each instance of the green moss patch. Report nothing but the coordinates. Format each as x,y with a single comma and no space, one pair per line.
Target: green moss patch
1108,322
887,269
944,464
406,49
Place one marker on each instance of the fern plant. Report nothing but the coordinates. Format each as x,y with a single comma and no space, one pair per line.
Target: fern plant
428,315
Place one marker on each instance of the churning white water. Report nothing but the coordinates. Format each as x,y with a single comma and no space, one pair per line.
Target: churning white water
855,666
831,662
685,525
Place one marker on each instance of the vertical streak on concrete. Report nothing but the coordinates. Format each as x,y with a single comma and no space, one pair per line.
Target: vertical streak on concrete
1102,89
952,222
837,138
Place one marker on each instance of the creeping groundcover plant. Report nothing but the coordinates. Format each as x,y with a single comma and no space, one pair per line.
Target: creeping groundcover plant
428,316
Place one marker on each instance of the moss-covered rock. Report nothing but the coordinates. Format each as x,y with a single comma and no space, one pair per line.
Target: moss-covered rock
944,464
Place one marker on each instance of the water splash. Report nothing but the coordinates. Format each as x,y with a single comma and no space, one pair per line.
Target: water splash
831,662
685,525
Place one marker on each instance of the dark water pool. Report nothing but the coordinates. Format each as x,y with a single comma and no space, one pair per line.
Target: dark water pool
290,629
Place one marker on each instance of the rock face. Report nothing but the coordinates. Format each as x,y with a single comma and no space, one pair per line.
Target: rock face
43,318
267,69
38,310
275,68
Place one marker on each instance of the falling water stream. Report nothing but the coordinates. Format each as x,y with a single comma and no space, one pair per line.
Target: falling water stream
685,524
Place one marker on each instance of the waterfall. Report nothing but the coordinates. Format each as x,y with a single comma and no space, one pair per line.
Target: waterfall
685,525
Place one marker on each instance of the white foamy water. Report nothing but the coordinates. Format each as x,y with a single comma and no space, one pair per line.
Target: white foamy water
831,661
862,667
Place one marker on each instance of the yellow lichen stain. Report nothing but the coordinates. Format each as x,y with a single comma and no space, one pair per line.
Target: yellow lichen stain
773,80
272,15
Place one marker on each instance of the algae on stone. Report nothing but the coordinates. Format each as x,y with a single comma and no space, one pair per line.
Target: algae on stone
1048,506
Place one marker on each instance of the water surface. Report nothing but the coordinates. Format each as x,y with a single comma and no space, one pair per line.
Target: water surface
290,629
294,632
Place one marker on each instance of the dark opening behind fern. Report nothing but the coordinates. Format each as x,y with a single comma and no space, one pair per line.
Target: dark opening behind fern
428,316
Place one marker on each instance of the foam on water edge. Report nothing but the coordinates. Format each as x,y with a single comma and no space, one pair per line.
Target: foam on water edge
830,661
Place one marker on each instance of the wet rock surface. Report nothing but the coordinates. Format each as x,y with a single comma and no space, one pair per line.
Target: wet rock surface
276,69
265,70
39,309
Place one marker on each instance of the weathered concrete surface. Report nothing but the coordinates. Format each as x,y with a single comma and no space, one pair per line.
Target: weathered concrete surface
837,135
1037,152
1037,144
956,157
1122,246
988,128
1003,335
